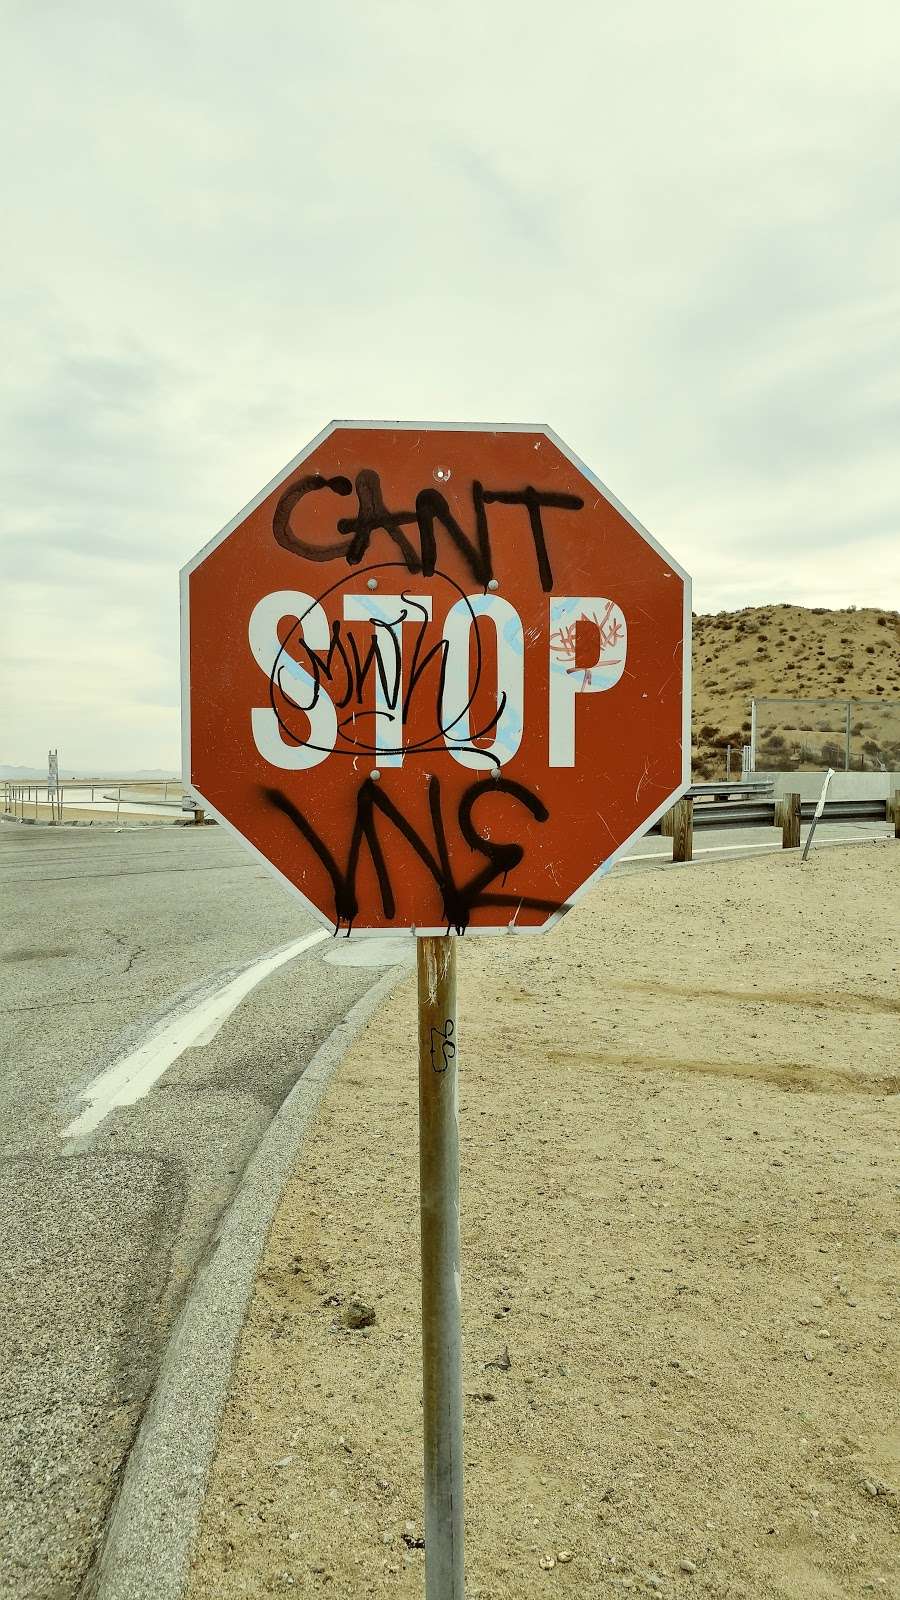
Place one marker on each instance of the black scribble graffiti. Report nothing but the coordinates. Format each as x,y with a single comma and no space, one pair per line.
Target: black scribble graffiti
442,1041
458,900
431,509
346,667
356,667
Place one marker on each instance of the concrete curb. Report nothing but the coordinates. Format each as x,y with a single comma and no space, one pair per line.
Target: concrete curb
147,1548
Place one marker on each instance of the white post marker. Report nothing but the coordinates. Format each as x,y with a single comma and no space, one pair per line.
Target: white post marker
820,807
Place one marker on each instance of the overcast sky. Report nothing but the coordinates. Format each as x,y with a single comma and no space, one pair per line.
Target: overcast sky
672,232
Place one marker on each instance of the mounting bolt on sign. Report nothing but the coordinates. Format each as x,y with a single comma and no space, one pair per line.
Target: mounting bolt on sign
437,678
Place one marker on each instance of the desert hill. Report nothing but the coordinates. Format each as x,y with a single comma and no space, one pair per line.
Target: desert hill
784,650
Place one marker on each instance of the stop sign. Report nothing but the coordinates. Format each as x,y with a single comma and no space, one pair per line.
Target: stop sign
436,677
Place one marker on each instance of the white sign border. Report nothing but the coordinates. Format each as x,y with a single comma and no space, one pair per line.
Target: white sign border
435,427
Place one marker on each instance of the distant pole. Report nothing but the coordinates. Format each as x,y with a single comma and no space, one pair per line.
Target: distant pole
728,762
118,801
847,741
53,785
441,1330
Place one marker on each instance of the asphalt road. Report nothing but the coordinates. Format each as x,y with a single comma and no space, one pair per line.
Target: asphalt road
102,936
107,936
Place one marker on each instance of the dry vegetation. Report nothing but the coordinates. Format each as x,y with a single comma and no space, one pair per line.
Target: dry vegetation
791,650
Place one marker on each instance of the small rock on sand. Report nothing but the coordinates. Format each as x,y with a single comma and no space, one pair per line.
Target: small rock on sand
357,1314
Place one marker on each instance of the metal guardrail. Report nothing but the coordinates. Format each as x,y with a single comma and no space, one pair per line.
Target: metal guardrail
719,812
142,800
720,792
761,813
24,799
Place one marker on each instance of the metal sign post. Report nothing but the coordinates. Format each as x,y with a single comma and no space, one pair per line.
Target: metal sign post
441,1295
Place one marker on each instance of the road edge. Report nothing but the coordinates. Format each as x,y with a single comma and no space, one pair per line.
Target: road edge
147,1546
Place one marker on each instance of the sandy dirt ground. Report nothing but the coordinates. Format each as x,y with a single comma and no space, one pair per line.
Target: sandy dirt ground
680,1254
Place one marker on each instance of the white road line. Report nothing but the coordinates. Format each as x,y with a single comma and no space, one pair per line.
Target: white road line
721,849
133,1075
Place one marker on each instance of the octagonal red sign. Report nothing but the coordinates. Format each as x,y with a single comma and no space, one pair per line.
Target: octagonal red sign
436,677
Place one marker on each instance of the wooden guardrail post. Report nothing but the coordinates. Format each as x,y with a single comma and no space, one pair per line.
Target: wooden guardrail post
893,812
790,822
682,815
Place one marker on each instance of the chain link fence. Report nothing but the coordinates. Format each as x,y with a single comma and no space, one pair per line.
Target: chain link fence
810,735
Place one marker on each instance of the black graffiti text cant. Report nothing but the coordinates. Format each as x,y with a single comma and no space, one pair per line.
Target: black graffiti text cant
431,518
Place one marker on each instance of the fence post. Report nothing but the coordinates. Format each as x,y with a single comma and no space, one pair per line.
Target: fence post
893,810
683,829
790,822
847,739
